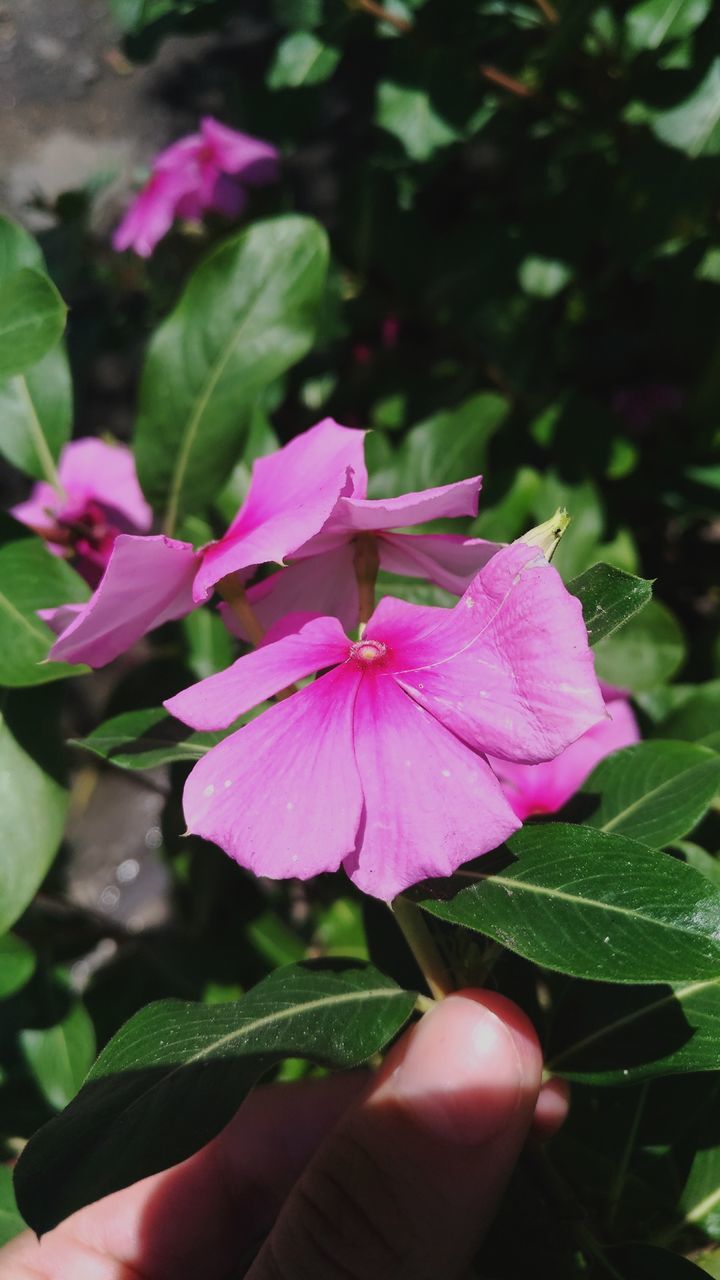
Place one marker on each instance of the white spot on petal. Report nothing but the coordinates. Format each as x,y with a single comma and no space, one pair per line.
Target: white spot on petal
289,805
445,773
209,790
227,782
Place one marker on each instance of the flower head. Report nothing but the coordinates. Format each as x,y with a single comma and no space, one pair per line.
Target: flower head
205,171
99,497
380,764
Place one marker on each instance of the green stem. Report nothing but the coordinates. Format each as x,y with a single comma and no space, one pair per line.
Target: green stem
422,944
42,449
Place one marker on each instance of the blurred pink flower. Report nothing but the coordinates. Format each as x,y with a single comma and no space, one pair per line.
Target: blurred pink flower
149,581
545,788
100,499
379,765
208,170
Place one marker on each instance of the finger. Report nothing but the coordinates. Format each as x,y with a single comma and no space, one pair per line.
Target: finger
551,1110
201,1217
406,1184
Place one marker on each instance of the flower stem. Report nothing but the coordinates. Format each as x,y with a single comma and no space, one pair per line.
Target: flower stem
234,594
422,944
367,564
377,11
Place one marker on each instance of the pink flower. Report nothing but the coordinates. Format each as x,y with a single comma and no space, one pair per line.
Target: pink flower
379,765
321,577
153,580
301,502
208,170
100,498
545,788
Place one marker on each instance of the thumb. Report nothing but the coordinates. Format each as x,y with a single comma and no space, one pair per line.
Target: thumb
406,1185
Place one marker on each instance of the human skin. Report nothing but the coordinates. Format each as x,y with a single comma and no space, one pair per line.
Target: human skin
357,1177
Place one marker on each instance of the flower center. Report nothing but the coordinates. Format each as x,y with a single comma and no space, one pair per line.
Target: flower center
367,651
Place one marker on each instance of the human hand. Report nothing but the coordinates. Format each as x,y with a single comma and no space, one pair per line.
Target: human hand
394,1176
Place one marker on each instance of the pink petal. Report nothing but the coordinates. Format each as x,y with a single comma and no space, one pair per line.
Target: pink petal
368,514
151,214
216,702
509,668
431,803
34,510
235,152
181,156
92,471
190,207
59,618
292,494
545,788
227,196
445,558
148,581
402,627
324,584
282,795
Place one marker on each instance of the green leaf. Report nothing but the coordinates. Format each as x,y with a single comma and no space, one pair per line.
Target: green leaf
654,792
409,116
700,859
646,1262
134,15
511,516
35,407
298,14
248,313
210,646
301,59
17,964
145,739
648,651
700,1199
31,579
447,447
610,1035
32,804
36,415
11,1224
32,319
262,440
60,1057
650,24
543,277
17,249
694,126
175,1074
698,715
609,598
594,905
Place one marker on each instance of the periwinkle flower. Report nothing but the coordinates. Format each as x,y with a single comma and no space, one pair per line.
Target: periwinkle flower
380,765
206,171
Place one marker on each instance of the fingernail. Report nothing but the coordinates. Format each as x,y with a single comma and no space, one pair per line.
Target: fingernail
464,1074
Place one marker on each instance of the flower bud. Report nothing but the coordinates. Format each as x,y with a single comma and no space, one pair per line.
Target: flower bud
546,536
